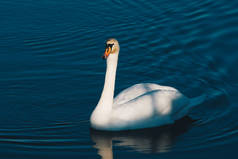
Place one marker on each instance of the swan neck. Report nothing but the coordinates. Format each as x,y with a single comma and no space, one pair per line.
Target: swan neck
106,99
101,115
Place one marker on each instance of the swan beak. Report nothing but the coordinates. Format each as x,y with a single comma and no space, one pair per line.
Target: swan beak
107,52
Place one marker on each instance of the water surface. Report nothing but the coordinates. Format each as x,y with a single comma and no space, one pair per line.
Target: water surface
51,75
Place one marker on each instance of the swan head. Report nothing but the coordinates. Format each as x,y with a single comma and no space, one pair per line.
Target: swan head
112,47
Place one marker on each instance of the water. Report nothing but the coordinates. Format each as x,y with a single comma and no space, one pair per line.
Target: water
52,74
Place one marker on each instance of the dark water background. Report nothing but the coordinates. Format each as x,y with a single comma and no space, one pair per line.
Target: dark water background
51,75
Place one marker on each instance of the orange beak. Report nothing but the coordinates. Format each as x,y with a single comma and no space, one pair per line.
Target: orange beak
107,52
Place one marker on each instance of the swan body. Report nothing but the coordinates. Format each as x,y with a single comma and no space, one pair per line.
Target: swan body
140,106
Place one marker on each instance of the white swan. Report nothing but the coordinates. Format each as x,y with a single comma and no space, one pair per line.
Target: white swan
143,105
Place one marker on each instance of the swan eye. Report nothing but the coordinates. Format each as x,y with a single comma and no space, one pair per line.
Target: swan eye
109,45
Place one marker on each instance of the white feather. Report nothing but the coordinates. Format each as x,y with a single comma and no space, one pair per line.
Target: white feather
143,105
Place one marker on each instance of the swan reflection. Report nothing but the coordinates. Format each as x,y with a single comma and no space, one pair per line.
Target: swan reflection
154,140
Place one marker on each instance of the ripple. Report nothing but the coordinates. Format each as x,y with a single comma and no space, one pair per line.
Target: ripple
51,82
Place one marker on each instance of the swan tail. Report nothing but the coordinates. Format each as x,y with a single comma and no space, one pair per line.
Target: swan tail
192,103
210,94
197,100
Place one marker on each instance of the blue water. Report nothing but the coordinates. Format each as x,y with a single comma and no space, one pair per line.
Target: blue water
52,74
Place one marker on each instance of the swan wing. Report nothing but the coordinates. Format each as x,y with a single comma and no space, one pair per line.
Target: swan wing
138,90
154,108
